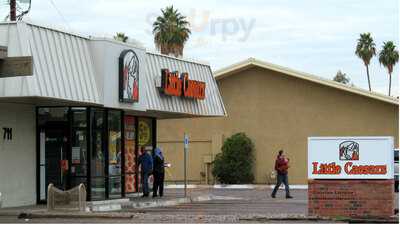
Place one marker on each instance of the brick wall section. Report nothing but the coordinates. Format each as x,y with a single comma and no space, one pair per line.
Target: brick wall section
351,198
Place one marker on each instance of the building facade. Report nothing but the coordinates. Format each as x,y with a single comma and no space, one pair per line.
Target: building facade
278,108
86,109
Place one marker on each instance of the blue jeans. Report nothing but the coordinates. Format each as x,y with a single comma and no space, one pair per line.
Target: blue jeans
145,183
281,178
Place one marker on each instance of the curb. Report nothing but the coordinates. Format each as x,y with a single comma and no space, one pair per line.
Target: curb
317,218
76,215
112,215
300,218
235,186
156,203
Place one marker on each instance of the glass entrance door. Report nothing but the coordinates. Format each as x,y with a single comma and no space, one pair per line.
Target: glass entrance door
53,149
53,157
56,158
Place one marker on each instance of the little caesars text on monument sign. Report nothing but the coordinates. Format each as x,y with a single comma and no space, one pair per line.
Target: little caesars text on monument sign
351,176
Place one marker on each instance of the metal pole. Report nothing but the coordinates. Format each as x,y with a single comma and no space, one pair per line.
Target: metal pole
13,10
184,163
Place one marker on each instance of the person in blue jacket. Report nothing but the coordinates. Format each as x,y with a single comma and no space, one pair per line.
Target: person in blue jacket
146,165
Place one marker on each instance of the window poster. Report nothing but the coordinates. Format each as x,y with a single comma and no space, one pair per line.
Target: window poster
130,157
76,155
112,147
130,183
145,132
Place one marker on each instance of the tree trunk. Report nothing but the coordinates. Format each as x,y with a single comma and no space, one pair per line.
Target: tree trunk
369,82
390,82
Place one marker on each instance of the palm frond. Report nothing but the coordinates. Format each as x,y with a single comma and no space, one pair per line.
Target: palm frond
171,31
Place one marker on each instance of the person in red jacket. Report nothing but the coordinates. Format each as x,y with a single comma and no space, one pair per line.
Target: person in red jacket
281,167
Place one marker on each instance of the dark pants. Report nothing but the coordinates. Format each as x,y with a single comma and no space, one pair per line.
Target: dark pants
281,178
158,184
145,183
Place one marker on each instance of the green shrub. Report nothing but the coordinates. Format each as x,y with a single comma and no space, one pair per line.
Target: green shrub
234,165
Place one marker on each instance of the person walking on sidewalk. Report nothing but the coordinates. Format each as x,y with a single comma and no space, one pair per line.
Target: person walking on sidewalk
146,165
281,167
158,173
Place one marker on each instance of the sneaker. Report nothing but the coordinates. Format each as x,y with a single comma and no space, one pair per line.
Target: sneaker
272,196
289,196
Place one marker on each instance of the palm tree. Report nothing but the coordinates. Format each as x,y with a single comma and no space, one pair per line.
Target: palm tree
366,50
388,57
121,37
171,32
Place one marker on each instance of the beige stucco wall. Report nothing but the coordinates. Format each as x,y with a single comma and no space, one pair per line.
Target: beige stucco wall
276,111
18,156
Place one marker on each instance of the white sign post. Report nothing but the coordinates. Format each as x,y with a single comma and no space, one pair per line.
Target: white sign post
185,149
350,158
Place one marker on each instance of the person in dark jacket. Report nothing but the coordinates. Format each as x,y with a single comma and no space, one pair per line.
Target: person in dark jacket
146,163
158,173
281,167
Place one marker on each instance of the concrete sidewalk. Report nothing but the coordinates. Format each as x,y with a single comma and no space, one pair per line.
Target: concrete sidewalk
204,205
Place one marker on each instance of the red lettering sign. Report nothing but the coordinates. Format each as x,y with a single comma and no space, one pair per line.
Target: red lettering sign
325,168
174,85
349,168
364,169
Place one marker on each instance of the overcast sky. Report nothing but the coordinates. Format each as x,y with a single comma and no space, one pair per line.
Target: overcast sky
313,36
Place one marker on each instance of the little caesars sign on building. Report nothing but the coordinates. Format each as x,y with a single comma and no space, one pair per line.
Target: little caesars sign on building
350,158
351,176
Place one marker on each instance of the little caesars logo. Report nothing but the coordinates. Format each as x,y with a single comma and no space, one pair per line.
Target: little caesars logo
348,151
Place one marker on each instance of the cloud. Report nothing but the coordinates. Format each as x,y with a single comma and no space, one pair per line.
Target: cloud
318,37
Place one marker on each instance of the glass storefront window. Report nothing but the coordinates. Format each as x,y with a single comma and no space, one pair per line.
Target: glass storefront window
79,118
145,139
97,162
79,146
98,118
98,188
98,154
107,173
52,114
78,153
114,153
114,187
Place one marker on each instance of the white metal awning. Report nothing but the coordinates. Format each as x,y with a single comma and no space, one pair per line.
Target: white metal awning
212,105
62,64
77,69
